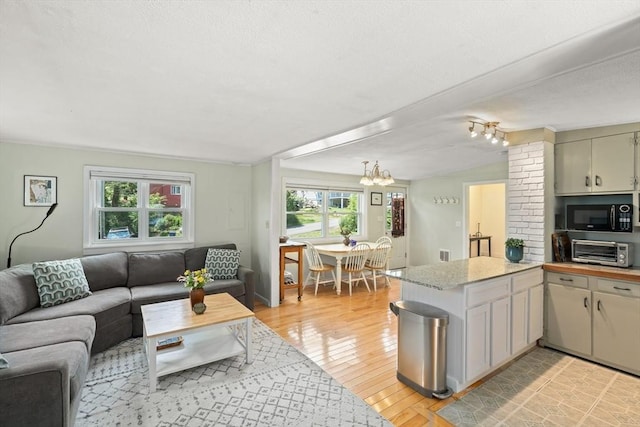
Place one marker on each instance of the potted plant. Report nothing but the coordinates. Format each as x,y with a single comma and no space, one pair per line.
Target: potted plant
513,249
347,234
195,281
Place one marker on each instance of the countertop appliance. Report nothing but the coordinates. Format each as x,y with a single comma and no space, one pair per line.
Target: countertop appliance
616,218
603,253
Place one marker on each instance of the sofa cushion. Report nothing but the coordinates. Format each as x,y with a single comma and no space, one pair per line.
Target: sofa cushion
105,306
160,292
149,269
18,292
74,355
194,258
222,263
23,336
106,270
60,281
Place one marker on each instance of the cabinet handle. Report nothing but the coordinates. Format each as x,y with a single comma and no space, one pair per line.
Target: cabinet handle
621,289
598,305
598,180
566,280
586,302
587,182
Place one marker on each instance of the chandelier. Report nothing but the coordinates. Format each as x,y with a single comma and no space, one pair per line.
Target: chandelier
374,176
490,131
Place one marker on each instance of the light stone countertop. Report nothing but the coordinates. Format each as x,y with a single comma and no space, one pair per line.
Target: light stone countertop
448,275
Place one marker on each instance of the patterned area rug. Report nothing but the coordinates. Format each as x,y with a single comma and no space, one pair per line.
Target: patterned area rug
281,387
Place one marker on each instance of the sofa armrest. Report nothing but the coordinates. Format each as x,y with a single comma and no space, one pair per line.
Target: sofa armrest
246,275
35,394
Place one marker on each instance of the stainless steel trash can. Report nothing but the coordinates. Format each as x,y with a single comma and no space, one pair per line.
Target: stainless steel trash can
422,347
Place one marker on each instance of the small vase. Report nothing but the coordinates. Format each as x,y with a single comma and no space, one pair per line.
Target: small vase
514,254
196,296
346,241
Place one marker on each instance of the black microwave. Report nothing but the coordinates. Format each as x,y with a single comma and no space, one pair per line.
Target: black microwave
616,218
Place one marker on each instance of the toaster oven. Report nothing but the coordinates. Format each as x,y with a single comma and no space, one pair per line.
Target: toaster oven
603,253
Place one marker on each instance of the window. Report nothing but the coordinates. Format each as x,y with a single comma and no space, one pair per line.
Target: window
395,214
136,208
322,213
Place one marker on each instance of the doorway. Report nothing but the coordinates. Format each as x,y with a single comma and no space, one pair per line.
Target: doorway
486,219
396,225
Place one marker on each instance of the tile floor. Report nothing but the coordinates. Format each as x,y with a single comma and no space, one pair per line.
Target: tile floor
549,388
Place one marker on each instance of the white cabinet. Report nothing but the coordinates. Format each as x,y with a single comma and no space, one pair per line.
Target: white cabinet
569,318
573,167
503,318
536,313
595,318
598,165
478,341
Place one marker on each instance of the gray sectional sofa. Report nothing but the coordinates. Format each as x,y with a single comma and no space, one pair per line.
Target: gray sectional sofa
48,349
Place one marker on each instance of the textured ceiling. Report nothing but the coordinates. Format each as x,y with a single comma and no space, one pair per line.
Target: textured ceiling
241,81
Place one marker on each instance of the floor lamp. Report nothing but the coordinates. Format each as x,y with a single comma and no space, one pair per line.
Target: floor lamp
49,212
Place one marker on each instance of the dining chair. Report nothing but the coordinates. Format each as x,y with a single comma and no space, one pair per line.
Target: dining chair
378,259
385,239
316,266
354,263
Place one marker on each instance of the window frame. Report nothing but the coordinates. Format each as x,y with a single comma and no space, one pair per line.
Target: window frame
326,188
95,175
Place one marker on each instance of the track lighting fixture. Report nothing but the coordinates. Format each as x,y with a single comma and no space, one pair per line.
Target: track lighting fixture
490,131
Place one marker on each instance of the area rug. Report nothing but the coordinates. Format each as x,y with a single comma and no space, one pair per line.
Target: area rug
282,387
549,388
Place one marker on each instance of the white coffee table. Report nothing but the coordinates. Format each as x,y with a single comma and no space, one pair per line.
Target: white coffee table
222,331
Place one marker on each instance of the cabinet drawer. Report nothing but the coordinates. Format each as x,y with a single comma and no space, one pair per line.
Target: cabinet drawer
568,279
480,293
526,280
619,288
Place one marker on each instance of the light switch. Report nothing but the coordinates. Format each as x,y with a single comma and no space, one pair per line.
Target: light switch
458,224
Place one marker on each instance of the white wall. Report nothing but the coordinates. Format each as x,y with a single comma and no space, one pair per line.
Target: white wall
261,231
435,226
222,193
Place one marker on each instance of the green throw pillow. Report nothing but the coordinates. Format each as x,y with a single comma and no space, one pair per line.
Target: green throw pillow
222,263
60,281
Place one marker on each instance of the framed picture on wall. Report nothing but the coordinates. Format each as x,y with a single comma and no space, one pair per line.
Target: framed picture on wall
40,190
376,199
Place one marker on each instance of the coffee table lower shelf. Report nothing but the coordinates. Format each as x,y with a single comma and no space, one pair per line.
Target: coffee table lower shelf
197,349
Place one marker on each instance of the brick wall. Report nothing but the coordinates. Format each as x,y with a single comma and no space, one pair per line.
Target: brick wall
526,198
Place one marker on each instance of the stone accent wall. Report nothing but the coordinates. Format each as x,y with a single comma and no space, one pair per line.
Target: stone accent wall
526,198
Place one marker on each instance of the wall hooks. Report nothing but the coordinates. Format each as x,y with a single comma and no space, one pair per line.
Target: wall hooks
446,200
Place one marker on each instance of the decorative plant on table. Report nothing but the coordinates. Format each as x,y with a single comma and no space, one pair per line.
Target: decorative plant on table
347,234
514,251
195,281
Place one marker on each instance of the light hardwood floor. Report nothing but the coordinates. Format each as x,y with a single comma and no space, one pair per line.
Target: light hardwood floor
354,339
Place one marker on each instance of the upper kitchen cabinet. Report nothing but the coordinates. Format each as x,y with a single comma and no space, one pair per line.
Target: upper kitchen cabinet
597,165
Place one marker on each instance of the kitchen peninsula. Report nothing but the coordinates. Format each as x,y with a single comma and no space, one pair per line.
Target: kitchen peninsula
495,310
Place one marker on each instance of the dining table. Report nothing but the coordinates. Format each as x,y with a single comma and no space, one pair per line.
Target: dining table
338,251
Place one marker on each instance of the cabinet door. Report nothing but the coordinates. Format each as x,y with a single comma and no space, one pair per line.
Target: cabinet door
569,318
500,330
519,326
612,163
616,329
478,341
573,167
536,307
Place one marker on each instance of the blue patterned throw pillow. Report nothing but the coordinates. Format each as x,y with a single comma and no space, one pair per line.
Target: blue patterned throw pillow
60,281
222,263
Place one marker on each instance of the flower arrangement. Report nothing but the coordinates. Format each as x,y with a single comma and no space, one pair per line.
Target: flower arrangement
195,279
345,232
514,243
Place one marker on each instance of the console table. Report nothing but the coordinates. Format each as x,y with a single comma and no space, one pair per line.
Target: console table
479,239
285,249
